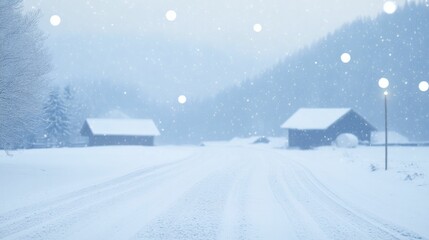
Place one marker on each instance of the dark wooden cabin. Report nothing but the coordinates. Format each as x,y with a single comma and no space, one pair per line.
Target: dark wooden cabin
102,132
313,127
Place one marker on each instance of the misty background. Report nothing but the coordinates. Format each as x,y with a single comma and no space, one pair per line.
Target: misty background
209,47
124,59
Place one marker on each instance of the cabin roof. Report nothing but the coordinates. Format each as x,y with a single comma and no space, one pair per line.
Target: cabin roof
122,127
314,118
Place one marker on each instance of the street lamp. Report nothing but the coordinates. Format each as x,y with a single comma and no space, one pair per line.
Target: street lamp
384,83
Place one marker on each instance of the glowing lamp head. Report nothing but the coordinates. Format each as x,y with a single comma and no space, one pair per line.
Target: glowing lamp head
423,86
345,57
383,83
386,93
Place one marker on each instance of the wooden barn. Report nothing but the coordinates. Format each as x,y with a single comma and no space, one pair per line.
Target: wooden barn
102,132
312,127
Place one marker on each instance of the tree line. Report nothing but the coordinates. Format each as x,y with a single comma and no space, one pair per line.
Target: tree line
28,111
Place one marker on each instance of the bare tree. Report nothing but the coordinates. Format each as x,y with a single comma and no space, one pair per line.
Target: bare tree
24,64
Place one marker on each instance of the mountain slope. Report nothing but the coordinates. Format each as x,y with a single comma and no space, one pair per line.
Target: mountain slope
392,46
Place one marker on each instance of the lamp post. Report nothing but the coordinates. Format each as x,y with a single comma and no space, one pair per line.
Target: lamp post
384,83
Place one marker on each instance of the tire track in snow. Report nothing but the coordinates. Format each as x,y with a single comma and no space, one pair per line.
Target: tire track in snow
319,213
26,218
197,215
235,224
225,193
252,211
359,218
200,212
303,224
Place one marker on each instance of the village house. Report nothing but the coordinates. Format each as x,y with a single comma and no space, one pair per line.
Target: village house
312,127
101,132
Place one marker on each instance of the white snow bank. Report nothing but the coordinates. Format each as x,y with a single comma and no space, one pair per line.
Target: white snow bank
346,140
393,137
357,175
274,142
39,174
219,189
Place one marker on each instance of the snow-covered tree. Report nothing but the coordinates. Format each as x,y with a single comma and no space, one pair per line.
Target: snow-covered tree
76,113
24,63
57,123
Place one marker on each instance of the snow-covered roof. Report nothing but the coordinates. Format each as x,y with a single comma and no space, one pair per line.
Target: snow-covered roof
394,137
122,127
314,118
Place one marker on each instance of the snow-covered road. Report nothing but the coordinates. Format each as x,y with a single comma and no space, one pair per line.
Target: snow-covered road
222,192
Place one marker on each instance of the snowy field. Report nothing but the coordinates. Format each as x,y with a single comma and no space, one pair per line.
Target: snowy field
224,190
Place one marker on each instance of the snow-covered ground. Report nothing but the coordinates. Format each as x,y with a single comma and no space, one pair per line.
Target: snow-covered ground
233,190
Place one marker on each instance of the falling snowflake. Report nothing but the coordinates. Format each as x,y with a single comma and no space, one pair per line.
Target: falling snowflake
257,27
55,20
182,99
171,15
390,7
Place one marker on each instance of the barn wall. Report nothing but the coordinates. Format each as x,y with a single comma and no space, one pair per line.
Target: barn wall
85,130
121,140
352,123
308,138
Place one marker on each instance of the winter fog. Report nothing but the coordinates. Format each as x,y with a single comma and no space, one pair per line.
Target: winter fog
208,47
229,119
127,57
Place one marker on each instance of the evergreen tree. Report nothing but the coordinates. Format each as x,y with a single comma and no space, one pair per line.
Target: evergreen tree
76,110
57,122
70,105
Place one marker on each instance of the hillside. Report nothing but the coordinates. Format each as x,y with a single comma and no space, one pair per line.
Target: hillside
392,46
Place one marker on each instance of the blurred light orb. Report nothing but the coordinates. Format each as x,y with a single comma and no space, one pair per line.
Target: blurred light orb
182,99
390,7
423,86
171,15
383,83
345,57
55,20
257,27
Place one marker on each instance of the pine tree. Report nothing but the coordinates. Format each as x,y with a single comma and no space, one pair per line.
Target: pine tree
57,122
76,110
70,105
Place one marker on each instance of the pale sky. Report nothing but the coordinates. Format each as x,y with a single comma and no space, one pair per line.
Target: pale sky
224,25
